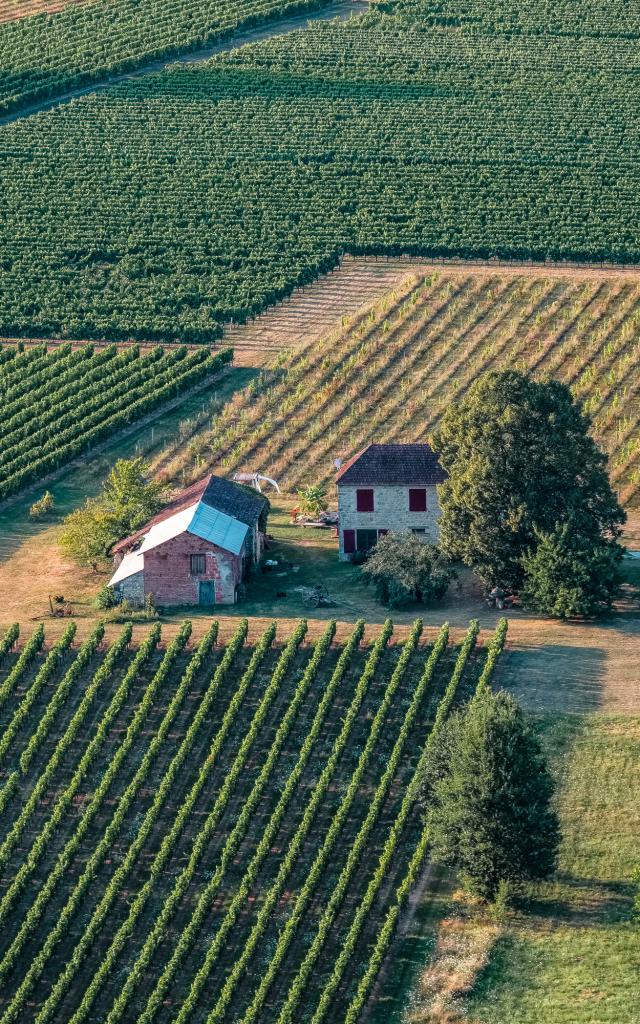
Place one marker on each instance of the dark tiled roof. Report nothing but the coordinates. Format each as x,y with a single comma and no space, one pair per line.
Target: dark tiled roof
392,465
227,497
242,503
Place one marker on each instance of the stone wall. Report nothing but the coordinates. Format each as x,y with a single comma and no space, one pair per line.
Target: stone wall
167,571
391,513
132,589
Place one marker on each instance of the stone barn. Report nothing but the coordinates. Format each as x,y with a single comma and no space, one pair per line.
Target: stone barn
387,488
198,551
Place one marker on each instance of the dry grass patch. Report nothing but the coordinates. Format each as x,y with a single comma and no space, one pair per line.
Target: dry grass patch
463,949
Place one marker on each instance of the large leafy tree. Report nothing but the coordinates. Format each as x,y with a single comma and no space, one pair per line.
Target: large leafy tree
127,500
520,461
489,797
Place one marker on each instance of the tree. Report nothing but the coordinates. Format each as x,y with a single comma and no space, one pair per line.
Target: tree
128,500
489,796
568,575
404,568
520,461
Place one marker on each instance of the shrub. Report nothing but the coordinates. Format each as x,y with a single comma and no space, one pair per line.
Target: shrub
43,506
569,575
403,568
313,500
106,598
489,796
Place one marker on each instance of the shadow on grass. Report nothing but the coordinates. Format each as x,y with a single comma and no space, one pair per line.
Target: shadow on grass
556,676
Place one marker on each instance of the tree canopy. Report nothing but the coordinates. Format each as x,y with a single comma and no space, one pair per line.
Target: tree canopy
569,575
127,500
520,462
489,797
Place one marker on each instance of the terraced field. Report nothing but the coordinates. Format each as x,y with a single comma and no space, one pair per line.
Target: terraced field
389,373
219,833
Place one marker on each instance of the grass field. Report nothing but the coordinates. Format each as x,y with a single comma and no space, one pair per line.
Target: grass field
574,957
390,371
212,832
176,201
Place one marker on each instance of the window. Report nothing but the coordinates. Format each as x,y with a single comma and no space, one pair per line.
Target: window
419,532
198,565
364,500
417,499
366,539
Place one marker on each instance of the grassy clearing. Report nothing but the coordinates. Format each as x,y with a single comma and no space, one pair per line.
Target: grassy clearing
574,956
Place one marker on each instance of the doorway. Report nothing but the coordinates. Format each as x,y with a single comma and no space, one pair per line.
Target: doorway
207,593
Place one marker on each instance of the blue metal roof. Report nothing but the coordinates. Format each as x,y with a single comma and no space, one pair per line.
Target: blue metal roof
217,527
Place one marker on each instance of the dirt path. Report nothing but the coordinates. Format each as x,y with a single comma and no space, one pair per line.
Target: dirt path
341,9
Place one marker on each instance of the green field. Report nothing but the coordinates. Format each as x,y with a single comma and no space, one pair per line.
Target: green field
43,57
172,202
214,832
57,404
574,957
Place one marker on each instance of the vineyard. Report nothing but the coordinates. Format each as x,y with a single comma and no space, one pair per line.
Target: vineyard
390,373
10,10
86,42
57,404
214,832
173,202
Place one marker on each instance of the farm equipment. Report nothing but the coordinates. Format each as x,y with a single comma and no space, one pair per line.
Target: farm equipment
315,597
498,598
254,480
59,607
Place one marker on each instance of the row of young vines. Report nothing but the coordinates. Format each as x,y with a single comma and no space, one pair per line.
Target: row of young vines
245,826
56,405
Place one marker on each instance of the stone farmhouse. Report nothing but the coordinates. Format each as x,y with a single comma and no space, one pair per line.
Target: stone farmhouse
196,551
387,488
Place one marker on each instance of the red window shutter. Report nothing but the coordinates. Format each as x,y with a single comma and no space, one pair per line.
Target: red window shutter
348,541
364,500
417,499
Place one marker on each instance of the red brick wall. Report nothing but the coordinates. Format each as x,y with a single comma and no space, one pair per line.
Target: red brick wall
167,571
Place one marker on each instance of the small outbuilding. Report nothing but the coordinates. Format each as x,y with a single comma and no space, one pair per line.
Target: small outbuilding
198,551
387,488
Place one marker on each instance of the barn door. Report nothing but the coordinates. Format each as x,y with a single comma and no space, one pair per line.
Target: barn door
207,593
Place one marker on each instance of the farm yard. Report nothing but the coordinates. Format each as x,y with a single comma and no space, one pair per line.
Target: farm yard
155,882
177,201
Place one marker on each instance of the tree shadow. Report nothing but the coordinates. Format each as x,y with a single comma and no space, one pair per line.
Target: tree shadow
584,902
555,677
